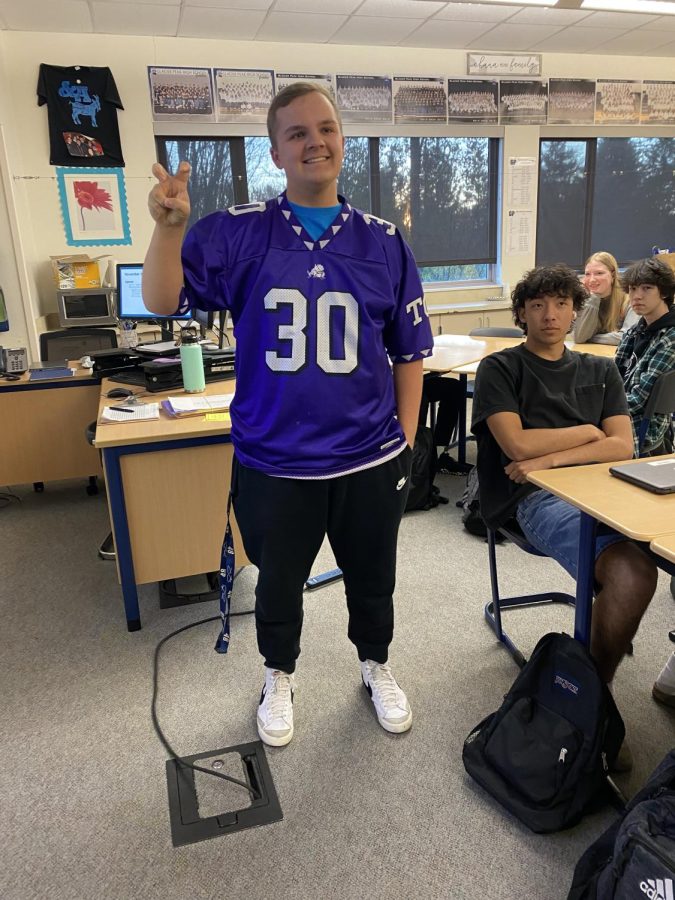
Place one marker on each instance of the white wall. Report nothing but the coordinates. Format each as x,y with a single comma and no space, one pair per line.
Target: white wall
34,204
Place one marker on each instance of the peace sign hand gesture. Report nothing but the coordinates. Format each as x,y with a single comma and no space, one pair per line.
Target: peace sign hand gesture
169,201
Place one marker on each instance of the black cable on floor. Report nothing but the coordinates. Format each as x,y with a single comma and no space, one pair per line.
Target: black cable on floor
160,734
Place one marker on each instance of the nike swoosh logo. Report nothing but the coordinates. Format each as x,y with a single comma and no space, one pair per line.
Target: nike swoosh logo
401,483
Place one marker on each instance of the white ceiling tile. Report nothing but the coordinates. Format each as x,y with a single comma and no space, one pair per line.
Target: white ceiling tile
544,15
336,7
661,23
371,30
515,37
666,50
298,27
240,25
45,15
435,33
131,18
228,4
625,21
636,42
579,40
399,9
152,2
477,12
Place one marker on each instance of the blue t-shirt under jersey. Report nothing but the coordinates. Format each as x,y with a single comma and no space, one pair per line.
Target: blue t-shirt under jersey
315,219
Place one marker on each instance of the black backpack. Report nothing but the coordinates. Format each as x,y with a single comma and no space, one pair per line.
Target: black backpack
470,505
423,493
635,857
545,753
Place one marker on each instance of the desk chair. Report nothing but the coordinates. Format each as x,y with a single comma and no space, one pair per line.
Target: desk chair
106,549
74,343
493,609
445,458
661,402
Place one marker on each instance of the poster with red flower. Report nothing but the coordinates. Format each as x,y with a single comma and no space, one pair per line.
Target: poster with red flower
93,206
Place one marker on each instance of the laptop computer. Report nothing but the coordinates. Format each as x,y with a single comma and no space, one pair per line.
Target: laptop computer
657,475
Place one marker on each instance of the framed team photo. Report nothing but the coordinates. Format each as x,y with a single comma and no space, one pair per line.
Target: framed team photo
243,95
93,206
283,79
364,98
419,100
181,94
473,100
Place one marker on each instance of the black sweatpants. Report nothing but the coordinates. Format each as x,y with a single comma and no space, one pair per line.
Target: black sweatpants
283,522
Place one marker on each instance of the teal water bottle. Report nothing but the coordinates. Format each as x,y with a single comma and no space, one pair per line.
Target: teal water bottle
192,362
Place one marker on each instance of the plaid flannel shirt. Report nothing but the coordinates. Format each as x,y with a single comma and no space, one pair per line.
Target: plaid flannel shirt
639,374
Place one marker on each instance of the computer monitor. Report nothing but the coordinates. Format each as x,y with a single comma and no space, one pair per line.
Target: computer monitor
130,296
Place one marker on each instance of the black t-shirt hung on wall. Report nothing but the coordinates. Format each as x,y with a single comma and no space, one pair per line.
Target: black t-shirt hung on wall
82,104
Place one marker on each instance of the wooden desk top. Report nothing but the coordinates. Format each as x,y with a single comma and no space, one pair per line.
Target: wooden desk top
461,354
450,353
80,374
626,507
113,434
665,547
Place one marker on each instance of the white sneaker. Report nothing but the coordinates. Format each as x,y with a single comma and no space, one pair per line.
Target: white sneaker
275,713
391,704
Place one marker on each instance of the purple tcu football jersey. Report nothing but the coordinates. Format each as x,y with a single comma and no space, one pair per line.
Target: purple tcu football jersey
316,323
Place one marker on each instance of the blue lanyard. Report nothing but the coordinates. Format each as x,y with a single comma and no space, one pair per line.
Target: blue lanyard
226,581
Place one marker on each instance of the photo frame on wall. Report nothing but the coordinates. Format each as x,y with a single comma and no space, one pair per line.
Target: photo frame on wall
93,206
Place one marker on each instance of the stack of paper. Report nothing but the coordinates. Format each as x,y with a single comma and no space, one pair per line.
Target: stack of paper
186,405
136,412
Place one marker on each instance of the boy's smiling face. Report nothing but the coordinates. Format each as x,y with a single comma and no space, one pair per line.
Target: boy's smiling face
309,147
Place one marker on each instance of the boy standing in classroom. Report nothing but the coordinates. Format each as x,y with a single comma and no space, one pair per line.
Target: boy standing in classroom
322,297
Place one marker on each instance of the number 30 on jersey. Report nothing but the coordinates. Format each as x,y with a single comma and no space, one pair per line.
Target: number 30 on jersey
294,332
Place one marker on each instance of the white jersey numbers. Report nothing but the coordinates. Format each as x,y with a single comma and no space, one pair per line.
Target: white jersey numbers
295,332
346,359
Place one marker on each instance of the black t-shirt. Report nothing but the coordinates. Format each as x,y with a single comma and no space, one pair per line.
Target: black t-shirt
577,389
82,104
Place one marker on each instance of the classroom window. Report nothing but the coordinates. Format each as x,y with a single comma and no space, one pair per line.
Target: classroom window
441,192
615,194
263,177
562,202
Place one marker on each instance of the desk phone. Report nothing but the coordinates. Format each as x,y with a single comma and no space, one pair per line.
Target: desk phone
15,361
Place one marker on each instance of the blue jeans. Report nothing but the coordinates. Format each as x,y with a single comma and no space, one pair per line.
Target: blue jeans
552,526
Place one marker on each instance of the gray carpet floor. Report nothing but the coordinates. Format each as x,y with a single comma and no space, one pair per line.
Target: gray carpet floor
365,813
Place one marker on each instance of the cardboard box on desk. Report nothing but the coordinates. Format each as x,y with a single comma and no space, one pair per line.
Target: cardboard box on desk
77,271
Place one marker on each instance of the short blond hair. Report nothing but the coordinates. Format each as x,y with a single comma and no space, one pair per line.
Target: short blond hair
290,93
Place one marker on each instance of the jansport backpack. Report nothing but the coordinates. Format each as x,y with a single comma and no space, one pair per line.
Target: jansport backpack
545,753
635,857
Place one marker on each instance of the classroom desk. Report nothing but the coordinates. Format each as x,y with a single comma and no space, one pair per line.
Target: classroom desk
168,482
601,497
452,350
665,547
494,345
44,422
